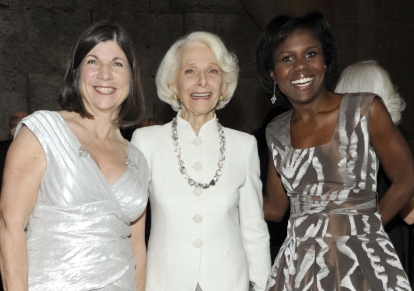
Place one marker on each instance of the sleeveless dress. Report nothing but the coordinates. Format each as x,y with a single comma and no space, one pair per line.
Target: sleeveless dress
335,237
78,233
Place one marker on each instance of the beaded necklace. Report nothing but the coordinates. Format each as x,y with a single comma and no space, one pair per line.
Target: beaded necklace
181,167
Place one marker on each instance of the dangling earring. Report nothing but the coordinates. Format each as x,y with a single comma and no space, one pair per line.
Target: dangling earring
221,98
273,99
175,96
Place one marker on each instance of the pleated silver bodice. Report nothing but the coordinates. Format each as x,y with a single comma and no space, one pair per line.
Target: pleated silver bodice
78,232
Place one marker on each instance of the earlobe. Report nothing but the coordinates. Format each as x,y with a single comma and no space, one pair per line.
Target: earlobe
174,95
273,76
172,87
224,88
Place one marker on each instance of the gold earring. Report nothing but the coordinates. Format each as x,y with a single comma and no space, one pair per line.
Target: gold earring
175,96
221,98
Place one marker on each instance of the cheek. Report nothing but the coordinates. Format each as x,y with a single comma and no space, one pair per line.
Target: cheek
128,83
85,76
125,77
183,84
217,82
279,73
220,86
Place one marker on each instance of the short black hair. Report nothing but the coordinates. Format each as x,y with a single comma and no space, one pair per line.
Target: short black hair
280,28
70,97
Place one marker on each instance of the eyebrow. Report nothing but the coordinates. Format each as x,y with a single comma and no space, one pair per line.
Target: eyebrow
114,59
306,49
192,64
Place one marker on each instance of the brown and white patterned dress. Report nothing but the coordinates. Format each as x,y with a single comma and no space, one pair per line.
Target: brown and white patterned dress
335,237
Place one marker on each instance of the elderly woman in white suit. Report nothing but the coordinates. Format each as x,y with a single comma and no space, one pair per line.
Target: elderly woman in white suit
207,231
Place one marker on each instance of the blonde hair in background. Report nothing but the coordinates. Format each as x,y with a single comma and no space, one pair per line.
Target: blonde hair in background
368,76
167,71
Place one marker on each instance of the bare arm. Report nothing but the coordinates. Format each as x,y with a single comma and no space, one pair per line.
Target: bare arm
276,202
396,159
24,169
408,212
139,249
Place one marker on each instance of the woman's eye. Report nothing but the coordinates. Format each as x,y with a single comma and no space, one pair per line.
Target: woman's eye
118,64
214,71
311,54
287,59
189,71
91,62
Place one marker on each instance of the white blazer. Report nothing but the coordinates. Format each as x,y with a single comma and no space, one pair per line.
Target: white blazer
216,237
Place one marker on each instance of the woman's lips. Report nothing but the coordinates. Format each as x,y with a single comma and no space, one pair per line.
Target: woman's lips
105,90
302,81
200,95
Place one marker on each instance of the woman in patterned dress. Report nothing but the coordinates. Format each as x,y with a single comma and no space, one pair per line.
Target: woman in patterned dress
75,191
324,155
369,76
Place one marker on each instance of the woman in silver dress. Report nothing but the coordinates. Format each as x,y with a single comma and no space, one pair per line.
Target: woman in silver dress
324,155
76,186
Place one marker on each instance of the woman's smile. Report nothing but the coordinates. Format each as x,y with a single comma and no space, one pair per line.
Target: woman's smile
302,82
201,95
104,90
299,68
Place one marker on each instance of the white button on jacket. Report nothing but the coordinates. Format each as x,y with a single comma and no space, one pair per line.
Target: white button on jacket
197,166
216,237
197,218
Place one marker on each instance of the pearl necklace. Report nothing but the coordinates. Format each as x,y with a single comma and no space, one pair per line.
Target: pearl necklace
181,167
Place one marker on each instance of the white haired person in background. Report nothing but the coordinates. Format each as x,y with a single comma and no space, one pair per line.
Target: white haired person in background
369,76
208,231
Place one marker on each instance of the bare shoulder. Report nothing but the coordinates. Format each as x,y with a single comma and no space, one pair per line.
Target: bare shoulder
25,138
379,115
26,152
378,105
72,119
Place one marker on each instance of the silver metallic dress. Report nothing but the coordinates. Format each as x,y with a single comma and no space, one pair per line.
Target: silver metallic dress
78,232
335,237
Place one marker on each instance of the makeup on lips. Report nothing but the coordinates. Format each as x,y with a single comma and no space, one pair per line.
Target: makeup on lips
104,90
205,95
302,82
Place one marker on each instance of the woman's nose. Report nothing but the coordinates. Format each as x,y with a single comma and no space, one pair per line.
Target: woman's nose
105,72
301,65
202,79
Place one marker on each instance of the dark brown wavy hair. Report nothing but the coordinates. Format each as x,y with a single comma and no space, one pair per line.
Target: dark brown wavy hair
70,98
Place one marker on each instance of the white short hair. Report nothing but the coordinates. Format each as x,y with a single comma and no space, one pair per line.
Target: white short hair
167,71
368,76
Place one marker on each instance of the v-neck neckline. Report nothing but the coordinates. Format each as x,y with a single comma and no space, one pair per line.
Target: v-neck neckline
90,159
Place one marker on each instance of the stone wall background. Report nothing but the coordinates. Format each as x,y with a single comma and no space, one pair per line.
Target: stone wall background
36,35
